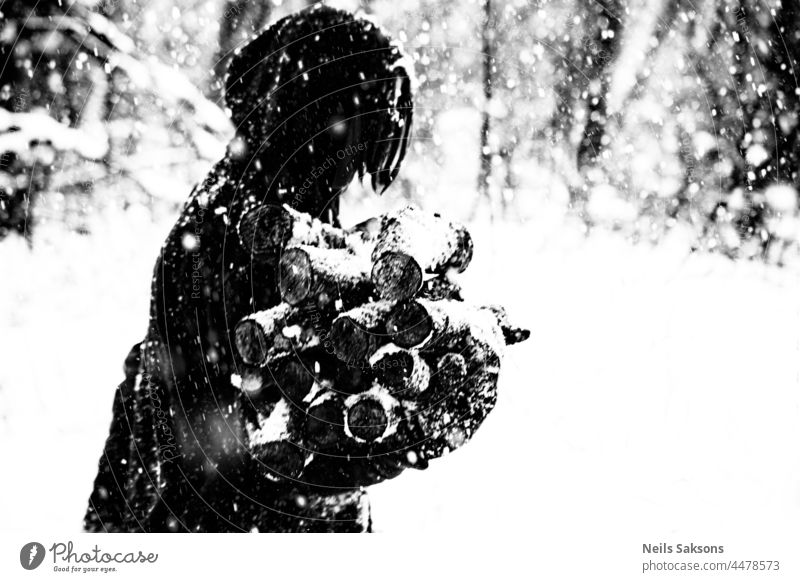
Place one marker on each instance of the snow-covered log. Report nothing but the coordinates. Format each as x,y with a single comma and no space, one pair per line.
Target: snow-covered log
255,335
265,230
324,276
412,243
403,371
357,333
372,416
436,326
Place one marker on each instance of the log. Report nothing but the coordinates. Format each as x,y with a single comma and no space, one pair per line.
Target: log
299,337
451,372
252,342
412,243
266,229
288,375
324,425
372,416
396,276
293,376
446,325
325,276
356,334
414,323
462,410
402,371
255,334
277,330
277,445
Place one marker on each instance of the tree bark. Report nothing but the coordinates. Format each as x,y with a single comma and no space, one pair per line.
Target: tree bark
602,49
488,31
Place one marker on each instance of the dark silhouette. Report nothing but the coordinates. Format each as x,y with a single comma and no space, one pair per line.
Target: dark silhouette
308,87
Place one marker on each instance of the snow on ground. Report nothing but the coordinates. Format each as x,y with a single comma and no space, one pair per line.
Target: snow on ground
657,400
658,396
72,308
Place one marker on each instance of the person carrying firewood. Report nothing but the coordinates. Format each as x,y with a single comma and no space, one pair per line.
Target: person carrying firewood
289,363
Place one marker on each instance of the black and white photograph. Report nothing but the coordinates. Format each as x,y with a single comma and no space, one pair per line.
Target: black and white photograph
513,285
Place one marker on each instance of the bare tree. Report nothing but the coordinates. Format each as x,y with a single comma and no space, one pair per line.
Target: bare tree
588,50
601,47
749,78
73,76
488,31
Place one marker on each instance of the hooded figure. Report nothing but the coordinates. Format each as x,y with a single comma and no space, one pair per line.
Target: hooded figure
317,98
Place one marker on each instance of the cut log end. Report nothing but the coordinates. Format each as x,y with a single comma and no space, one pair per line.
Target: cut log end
367,420
250,342
409,324
296,276
396,276
394,368
264,230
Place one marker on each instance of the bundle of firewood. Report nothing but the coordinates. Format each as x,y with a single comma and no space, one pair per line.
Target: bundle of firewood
372,337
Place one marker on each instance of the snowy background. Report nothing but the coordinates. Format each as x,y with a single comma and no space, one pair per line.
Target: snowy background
659,393
650,391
